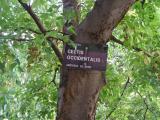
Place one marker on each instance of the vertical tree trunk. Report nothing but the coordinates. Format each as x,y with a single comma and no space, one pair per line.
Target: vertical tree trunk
79,89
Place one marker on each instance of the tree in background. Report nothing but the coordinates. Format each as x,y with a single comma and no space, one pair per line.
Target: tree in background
29,66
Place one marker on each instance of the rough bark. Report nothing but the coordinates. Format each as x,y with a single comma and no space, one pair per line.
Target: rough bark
79,89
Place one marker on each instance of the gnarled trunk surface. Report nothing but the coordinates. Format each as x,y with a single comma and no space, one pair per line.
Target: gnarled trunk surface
79,89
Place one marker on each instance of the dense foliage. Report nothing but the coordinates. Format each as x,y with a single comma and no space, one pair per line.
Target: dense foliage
29,69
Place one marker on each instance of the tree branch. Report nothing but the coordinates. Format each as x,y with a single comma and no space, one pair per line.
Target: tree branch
34,16
113,38
104,17
119,98
145,102
41,28
55,48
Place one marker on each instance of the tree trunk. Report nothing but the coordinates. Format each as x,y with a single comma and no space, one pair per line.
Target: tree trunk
79,89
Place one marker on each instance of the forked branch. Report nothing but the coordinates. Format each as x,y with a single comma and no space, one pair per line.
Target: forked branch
42,29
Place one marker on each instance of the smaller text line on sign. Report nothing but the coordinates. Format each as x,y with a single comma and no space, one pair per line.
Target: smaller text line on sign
85,56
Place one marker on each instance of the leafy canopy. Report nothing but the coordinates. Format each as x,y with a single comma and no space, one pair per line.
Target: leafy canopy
28,90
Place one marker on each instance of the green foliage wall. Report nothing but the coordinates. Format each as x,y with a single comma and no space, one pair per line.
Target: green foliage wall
28,64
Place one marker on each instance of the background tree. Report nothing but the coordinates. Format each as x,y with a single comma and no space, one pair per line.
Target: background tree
30,70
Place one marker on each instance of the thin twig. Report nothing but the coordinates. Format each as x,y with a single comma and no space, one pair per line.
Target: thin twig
145,102
124,89
145,114
37,32
54,77
14,38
